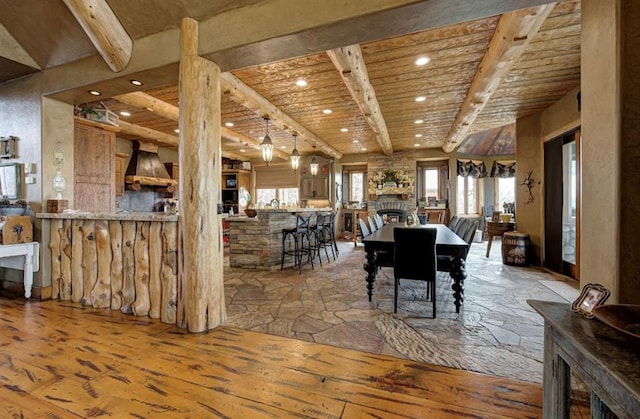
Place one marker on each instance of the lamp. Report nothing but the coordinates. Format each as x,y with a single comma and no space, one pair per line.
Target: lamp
267,145
314,164
295,156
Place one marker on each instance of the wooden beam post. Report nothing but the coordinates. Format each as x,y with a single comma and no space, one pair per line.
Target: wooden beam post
202,284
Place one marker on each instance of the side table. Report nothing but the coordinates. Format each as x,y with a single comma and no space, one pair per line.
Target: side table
31,254
495,229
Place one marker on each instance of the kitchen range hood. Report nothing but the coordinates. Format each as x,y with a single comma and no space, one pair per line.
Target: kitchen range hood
146,169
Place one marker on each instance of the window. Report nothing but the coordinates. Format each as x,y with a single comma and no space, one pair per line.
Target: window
431,182
356,186
505,191
467,195
286,196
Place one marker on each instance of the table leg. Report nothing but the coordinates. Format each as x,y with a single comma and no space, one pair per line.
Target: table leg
28,272
489,241
458,274
371,268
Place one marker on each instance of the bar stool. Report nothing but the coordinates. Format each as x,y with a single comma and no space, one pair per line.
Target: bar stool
323,238
298,234
331,231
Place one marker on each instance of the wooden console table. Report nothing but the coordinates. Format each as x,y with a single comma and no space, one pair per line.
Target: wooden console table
497,230
598,354
31,254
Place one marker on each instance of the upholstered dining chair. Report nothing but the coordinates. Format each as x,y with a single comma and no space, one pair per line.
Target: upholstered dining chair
372,225
379,221
415,259
364,230
467,232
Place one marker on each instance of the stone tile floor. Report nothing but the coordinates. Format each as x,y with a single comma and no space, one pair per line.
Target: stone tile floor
496,332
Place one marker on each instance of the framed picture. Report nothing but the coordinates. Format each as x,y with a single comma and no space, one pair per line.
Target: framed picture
592,295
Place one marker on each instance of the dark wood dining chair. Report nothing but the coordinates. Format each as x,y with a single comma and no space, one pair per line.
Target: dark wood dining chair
414,258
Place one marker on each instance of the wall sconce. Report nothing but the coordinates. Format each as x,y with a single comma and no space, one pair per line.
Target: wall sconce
267,145
295,156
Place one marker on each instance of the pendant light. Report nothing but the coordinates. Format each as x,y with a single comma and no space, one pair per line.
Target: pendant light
314,163
267,145
295,156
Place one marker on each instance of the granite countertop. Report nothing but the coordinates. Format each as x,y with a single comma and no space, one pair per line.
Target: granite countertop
124,216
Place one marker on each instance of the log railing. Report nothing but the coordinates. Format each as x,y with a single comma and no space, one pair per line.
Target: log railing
122,264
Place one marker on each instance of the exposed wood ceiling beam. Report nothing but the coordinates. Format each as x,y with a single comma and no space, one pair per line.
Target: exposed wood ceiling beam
168,111
105,31
350,64
250,99
149,135
247,141
512,35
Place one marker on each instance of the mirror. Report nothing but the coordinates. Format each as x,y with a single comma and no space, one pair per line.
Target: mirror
10,181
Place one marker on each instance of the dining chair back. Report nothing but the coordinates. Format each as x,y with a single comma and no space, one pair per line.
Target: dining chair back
415,259
364,230
372,224
379,221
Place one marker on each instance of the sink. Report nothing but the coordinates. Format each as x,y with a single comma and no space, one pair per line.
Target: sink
624,318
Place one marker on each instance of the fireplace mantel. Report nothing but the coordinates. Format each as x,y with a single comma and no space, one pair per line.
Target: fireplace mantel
406,192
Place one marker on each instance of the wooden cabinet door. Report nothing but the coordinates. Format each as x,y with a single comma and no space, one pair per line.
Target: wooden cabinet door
120,169
94,169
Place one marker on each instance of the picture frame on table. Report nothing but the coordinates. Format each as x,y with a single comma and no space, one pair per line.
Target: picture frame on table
592,295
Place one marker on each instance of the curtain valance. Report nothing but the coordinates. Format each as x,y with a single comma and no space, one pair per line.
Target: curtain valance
471,168
503,170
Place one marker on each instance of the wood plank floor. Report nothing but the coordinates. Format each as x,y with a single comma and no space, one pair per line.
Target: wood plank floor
63,360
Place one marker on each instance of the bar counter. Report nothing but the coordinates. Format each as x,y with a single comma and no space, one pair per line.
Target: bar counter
256,243
125,261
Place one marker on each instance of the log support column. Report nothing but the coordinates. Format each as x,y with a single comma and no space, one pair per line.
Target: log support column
201,303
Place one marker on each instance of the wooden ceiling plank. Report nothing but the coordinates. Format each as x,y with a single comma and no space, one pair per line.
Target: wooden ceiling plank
104,30
249,98
353,71
513,34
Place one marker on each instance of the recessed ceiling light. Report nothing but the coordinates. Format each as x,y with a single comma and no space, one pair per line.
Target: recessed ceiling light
326,111
418,135
228,124
177,131
422,60
125,113
95,92
301,82
416,145
136,82
363,149
421,98
261,138
283,147
242,150
356,141
344,129
419,121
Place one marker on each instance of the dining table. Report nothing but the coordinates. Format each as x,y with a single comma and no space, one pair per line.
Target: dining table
379,247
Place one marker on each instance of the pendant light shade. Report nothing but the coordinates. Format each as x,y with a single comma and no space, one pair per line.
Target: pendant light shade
267,145
314,163
295,156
